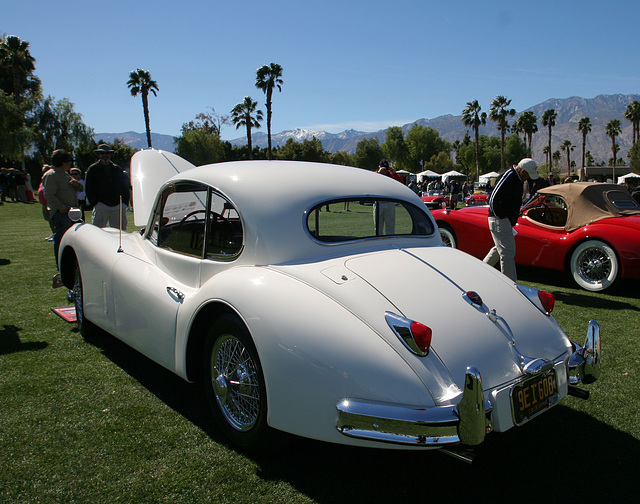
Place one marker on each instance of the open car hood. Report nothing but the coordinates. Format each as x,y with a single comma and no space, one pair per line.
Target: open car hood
150,169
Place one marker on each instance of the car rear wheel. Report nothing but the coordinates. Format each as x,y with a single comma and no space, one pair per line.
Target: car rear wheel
594,265
234,384
448,236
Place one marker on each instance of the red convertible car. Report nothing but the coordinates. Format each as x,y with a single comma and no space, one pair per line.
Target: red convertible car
589,229
477,199
436,199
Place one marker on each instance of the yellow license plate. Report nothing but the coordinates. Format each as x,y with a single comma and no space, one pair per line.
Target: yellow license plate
534,395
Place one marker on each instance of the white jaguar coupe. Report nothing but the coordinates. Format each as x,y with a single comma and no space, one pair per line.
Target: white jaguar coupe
318,300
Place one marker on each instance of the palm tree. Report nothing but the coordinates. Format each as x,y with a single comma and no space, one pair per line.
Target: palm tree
242,115
527,123
267,78
584,127
567,146
613,129
15,55
632,113
473,118
498,113
549,120
140,82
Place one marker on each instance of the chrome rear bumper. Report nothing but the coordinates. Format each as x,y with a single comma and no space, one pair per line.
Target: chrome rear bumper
467,422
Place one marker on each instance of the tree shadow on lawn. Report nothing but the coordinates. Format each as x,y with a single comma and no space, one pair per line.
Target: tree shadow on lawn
10,341
561,453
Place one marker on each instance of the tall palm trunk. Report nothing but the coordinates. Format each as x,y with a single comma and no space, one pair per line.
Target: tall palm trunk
147,122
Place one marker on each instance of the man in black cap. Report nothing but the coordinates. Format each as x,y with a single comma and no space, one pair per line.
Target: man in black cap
107,189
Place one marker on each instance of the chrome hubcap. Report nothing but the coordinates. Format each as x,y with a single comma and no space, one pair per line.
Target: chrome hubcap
594,265
235,382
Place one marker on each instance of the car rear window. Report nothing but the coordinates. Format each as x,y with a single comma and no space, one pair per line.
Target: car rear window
622,200
355,219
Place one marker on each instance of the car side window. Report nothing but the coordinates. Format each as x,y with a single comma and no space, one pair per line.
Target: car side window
180,220
550,210
225,238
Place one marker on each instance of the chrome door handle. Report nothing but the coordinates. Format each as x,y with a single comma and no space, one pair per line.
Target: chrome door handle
175,293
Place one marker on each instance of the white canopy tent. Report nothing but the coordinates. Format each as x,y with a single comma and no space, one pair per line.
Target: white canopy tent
486,178
634,176
451,174
427,174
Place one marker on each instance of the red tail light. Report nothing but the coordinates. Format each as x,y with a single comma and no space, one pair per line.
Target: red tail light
415,336
421,335
548,301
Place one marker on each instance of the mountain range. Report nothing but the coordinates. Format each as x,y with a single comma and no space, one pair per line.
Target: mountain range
600,110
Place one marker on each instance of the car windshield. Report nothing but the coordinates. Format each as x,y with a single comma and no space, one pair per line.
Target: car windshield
354,219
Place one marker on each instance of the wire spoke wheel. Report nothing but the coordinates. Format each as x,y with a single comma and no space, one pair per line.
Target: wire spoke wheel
235,382
235,386
594,265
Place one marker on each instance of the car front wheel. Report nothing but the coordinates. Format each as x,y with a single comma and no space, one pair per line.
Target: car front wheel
594,265
234,384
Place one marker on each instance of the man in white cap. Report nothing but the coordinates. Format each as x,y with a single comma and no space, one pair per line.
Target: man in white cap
504,210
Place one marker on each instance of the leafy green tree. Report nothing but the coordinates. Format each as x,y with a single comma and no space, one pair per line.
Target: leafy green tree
309,150
632,113
549,121
584,127
556,159
527,124
395,148
422,143
634,157
473,118
341,158
200,147
499,111
440,163
613,129
568,147
515,149
140,82
16,69
368,154
245,114
269,77
13,134
56,125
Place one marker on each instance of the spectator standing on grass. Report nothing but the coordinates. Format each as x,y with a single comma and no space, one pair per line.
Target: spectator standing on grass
504,209
43,202
76,173
384,212
4,183
105,184
60,191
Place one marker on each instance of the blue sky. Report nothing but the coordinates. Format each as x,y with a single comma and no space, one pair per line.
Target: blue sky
362,64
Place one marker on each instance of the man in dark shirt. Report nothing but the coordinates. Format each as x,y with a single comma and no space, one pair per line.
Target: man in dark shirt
504,209
105,184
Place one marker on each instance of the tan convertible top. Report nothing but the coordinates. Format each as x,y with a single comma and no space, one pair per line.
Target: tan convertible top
592,201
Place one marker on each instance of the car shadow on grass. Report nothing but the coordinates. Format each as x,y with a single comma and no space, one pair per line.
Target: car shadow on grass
185,398
561,453
561,285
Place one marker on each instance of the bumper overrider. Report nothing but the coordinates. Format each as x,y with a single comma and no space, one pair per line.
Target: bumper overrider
466,423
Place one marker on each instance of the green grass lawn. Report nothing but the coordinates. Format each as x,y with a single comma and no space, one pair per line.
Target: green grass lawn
96,422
